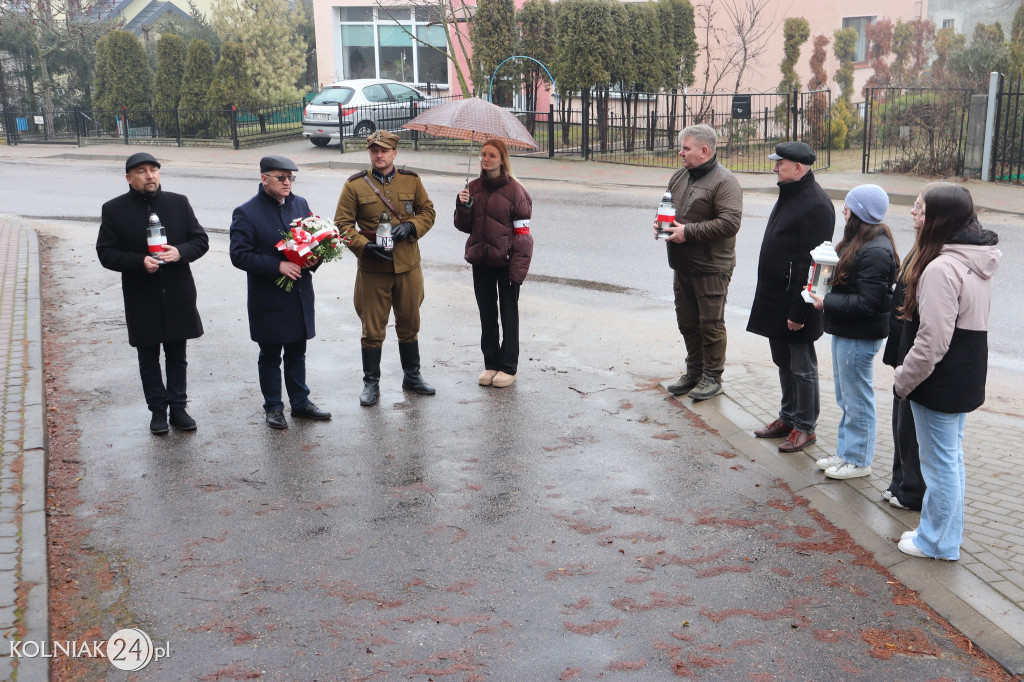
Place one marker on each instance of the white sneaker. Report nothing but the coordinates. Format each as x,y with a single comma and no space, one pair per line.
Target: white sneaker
908,547
895,503
846,470
886,494
829,462
909,534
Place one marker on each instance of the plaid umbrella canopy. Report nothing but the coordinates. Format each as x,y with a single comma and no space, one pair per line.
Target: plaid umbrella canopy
476,120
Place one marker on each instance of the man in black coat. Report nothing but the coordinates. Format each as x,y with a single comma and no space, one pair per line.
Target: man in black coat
280,321
802,219
159,292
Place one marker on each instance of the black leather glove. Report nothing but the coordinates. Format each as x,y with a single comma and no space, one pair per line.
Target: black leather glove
377,251
402,231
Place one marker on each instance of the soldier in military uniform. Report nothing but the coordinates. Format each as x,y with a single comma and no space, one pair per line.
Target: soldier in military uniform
386,280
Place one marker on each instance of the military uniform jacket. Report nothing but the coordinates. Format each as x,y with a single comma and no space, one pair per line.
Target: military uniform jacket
158,307
359,210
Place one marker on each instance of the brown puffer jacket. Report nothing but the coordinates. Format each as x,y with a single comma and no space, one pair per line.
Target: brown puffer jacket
498,223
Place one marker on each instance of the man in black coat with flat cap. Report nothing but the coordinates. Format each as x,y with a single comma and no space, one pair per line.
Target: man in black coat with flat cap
159,292
802,219
280,321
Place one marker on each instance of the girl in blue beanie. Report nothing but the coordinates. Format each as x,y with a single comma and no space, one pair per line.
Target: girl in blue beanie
857,316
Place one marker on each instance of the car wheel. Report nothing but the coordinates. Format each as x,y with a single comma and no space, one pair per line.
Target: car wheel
364,129
320,141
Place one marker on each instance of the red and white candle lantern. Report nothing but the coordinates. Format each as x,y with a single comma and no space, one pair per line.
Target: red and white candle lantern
823,265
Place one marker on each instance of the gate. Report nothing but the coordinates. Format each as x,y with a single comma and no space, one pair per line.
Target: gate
915,130
40,126
1008,143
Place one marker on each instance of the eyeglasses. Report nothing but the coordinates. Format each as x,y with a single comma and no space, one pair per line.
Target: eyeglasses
281,178
918,207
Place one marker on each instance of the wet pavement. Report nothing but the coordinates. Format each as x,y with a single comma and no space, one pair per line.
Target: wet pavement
581,524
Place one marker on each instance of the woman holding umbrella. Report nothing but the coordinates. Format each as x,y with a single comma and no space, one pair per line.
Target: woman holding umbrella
494,209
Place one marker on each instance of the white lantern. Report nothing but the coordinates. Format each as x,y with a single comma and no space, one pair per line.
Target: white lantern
156,237
819,278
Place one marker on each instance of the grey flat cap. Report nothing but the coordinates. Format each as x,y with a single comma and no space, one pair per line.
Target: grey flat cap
275,162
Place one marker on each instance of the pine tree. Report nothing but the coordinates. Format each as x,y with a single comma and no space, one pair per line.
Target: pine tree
195,89
123,78
232,84
170,66
269,33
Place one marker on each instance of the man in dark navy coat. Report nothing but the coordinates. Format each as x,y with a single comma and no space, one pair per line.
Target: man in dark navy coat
280,321
159,292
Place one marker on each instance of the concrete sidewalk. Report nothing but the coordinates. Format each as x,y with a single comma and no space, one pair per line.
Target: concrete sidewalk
982,594
23,457
902,189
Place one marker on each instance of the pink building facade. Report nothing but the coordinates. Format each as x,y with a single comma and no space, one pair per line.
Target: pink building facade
358,39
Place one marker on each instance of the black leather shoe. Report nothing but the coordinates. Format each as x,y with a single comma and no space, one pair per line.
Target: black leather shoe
311,411
276,420
181,420
158,424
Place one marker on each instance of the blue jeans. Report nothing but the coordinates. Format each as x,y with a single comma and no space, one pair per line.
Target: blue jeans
853,366
294,375
940,439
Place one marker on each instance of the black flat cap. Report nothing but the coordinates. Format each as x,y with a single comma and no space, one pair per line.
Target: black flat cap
138,159
800,152
275,162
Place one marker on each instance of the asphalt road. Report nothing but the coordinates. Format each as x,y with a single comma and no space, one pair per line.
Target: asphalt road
595,238
577,525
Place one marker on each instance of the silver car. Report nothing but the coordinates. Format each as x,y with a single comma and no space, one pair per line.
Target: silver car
366,104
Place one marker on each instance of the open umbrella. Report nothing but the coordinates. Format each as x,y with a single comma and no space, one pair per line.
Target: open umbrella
476,120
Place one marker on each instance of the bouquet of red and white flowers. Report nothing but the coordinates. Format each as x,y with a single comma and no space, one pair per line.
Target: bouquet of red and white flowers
308,241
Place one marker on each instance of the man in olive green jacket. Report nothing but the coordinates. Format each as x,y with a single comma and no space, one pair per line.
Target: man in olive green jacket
702,254
386,279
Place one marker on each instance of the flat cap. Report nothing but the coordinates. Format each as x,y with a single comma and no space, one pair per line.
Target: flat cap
383,138
138,159
276,162
800,152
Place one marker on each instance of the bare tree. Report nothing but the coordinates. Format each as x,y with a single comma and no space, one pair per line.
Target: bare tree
751,25
731,45
453,16
53,26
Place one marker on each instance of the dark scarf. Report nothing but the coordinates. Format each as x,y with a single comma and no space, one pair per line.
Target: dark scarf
703,169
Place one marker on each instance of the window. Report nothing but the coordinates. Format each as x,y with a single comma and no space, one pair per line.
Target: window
357,51
376,93
859,24
373,45
948,23
404,94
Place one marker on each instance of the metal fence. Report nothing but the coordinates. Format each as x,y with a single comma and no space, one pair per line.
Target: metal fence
1008,142
642,128
632,128
639,128
232,127
915,130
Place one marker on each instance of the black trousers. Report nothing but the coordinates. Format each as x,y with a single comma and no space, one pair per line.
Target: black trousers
496,294
294,375
159,396
907,482
798,376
